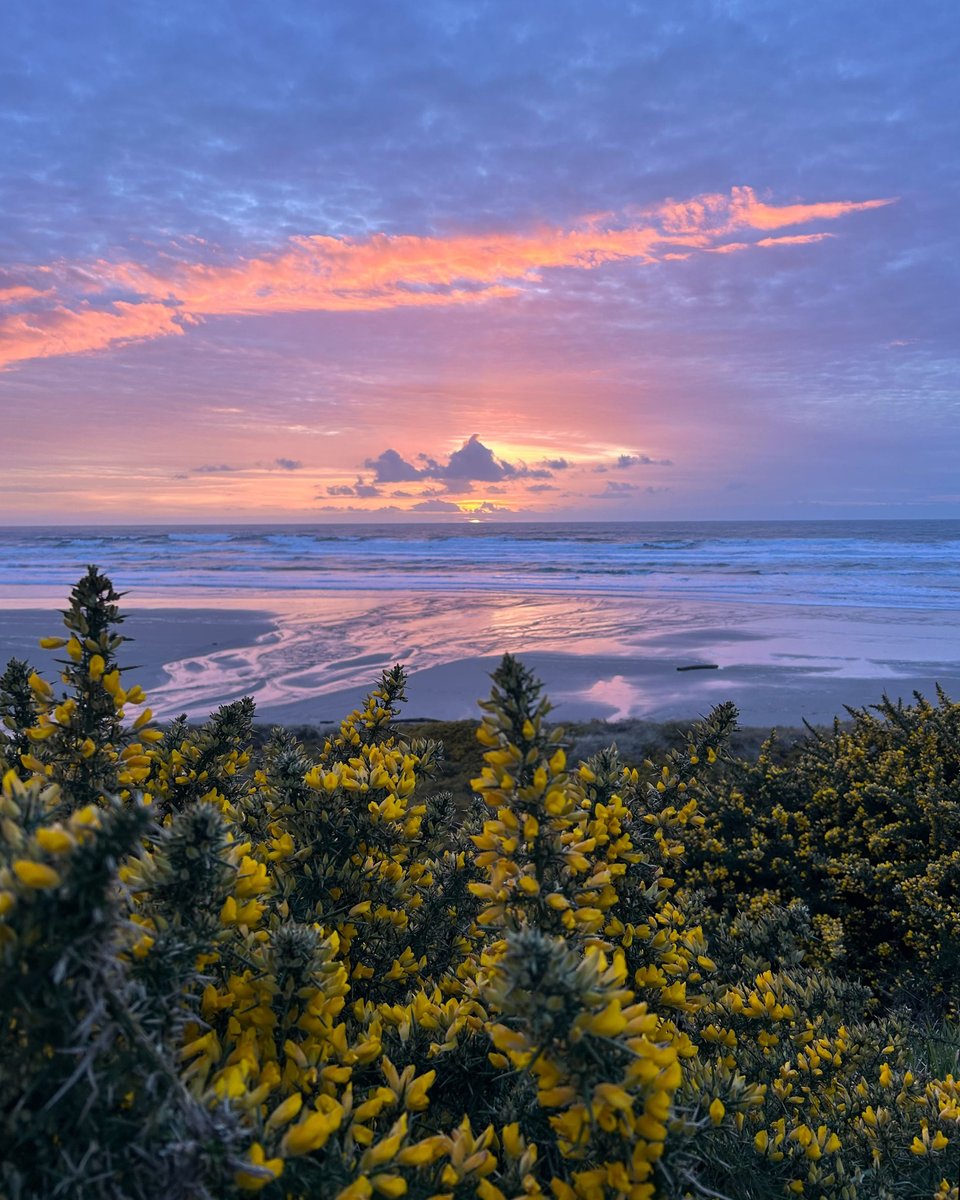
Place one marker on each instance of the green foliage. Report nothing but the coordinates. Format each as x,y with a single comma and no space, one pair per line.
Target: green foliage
862,827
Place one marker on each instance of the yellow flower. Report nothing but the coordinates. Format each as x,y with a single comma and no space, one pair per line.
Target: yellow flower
111,681
35,875
142,946
421,1154
39,686
311,1133
97,667
54,841
86,817
40,733
145,717
416,1099
286,1112
717,1111
387,1148
391,1186
610,1022
269,1170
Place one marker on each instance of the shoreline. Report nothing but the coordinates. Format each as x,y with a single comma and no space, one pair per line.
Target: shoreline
312,666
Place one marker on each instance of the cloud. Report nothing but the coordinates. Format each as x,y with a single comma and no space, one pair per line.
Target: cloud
95,305
718,213
488,507
17,293
389,467
356,508
541,487
436,506
288,464
472,463
213,469
475,462
555,464
615,491
359,488
58,330
625,461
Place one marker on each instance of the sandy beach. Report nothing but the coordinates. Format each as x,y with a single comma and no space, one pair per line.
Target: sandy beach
308,661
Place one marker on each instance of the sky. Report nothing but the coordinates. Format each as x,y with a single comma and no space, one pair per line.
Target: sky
457,260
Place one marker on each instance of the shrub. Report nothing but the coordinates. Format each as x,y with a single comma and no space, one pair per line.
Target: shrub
226,970
862,827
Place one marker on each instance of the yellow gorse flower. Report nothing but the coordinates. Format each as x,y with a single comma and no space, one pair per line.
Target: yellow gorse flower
34,875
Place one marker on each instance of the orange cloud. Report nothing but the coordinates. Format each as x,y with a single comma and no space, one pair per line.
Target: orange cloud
16,293
61,330
747,210
719,214
327,274
797,239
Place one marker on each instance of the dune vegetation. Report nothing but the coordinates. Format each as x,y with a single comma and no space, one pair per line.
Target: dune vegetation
229,968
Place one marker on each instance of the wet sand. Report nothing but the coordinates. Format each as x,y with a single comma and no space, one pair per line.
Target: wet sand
310,662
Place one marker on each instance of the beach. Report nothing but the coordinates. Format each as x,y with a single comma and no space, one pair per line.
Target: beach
310,663
792,621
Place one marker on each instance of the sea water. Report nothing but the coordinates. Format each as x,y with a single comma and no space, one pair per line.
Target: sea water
892,564
293,613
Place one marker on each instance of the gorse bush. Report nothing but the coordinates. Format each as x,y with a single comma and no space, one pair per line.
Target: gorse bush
864,828
226,971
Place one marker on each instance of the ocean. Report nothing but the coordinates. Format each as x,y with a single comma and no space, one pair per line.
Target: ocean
892,564
303,616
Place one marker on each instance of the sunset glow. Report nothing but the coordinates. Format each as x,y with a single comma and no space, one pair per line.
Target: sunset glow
372,293
324,274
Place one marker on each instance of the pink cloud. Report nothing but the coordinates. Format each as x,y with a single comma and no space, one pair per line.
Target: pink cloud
718,213
798,239
16,293
61,330
747,210
326,274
